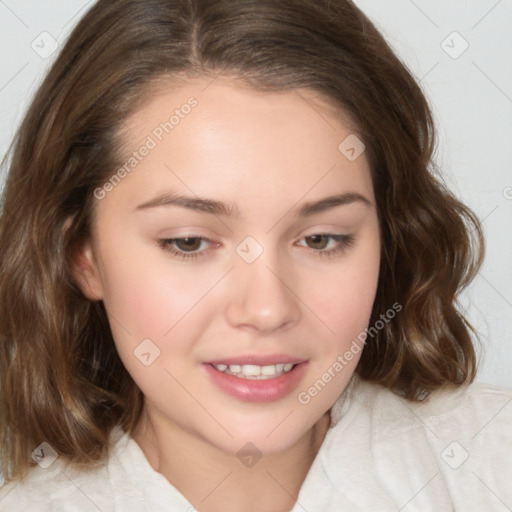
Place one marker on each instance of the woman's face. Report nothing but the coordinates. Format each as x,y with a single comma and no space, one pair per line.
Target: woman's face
242,233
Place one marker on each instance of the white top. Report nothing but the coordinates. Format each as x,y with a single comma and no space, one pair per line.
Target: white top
382,453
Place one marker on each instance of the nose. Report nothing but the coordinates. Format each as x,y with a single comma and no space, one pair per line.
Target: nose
262,297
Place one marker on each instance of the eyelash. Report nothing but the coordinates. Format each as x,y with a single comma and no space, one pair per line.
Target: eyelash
167,245
343,243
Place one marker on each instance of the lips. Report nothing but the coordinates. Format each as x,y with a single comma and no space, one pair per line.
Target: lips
250,371
258,360
261,389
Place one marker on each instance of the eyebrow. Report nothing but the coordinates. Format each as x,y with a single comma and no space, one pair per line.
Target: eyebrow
191,203
331,202
230,210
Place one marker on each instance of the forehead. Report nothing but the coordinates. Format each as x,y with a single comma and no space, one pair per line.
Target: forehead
217,135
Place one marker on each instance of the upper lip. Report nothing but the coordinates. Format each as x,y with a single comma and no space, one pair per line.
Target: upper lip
258,360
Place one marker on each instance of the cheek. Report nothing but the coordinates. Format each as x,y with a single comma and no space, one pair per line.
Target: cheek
344,301
145,292
145,300
344,298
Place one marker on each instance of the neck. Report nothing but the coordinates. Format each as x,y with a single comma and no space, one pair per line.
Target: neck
214,481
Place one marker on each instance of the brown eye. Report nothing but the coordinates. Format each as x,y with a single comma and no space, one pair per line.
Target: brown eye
188,244
327,244
318,241
186,247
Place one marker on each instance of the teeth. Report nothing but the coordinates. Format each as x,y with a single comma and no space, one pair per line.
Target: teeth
269,371
251,371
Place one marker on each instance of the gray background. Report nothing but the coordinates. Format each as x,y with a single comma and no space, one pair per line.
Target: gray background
470,90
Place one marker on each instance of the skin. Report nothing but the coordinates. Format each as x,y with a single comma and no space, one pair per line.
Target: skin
267,154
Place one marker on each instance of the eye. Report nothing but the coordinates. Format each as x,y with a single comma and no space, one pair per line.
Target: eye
186,247
327,244
318,241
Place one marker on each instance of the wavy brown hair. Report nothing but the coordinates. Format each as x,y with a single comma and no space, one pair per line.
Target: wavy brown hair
61,378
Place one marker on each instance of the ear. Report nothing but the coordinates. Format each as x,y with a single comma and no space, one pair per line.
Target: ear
84,268
85,271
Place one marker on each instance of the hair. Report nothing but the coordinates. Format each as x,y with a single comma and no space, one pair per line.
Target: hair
61,379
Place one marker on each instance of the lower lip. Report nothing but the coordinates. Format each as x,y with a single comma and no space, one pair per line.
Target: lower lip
254,390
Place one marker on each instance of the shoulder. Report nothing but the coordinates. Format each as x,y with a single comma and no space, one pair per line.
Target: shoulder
451,450
468,409
56,485
473,410
463,409
58,488
124,481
